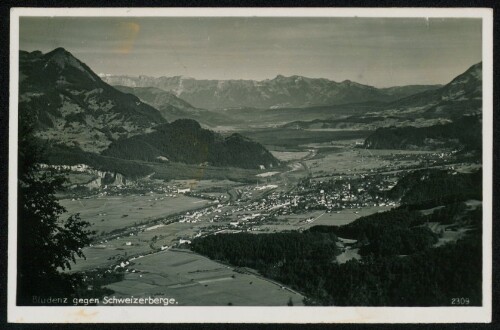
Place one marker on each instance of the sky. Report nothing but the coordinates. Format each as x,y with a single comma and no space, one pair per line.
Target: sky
381,52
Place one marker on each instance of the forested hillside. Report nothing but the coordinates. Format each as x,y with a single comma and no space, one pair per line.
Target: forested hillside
185,141
463,132
434,187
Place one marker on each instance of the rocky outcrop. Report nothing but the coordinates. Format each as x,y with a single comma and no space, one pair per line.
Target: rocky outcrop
101,177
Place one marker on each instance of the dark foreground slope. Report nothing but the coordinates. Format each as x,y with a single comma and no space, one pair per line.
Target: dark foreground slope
185,141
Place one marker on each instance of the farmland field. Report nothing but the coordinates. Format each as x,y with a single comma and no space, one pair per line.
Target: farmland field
115,212
286,137
320,218
359,160
206,184
194,280
289,155
172,171
107,252
346,216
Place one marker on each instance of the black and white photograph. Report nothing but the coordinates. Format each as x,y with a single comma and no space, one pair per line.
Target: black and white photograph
250,165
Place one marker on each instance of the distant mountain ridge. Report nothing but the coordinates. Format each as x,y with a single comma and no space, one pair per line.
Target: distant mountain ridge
280,92
156,97
462,96
171,107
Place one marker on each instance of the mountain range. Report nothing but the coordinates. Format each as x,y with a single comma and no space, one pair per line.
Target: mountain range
72,107
280,92
462,96
457,107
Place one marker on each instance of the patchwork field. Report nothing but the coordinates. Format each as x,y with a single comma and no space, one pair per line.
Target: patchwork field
108,252
202,185
194,280
289,155
286,137
296,221
360,160
345,216
172,171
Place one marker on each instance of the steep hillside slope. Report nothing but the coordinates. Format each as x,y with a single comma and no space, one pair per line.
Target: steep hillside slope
458,102
185,141
74,107
464,132
461,96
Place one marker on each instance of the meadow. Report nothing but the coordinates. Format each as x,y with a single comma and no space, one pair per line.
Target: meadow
194,280
298,221
293,138
107,213
173,171
357,160
287,156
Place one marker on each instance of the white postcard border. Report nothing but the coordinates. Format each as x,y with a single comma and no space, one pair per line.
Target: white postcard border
233,314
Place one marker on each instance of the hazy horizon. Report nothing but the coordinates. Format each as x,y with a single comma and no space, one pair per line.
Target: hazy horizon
381,52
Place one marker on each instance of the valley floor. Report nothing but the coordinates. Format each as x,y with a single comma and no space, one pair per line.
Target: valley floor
144,229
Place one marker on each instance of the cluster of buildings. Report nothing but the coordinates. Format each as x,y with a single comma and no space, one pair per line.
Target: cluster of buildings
344,192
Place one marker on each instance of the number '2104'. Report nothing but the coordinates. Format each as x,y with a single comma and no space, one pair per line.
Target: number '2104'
460,301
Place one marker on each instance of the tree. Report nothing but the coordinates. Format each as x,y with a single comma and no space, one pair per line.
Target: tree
46,244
